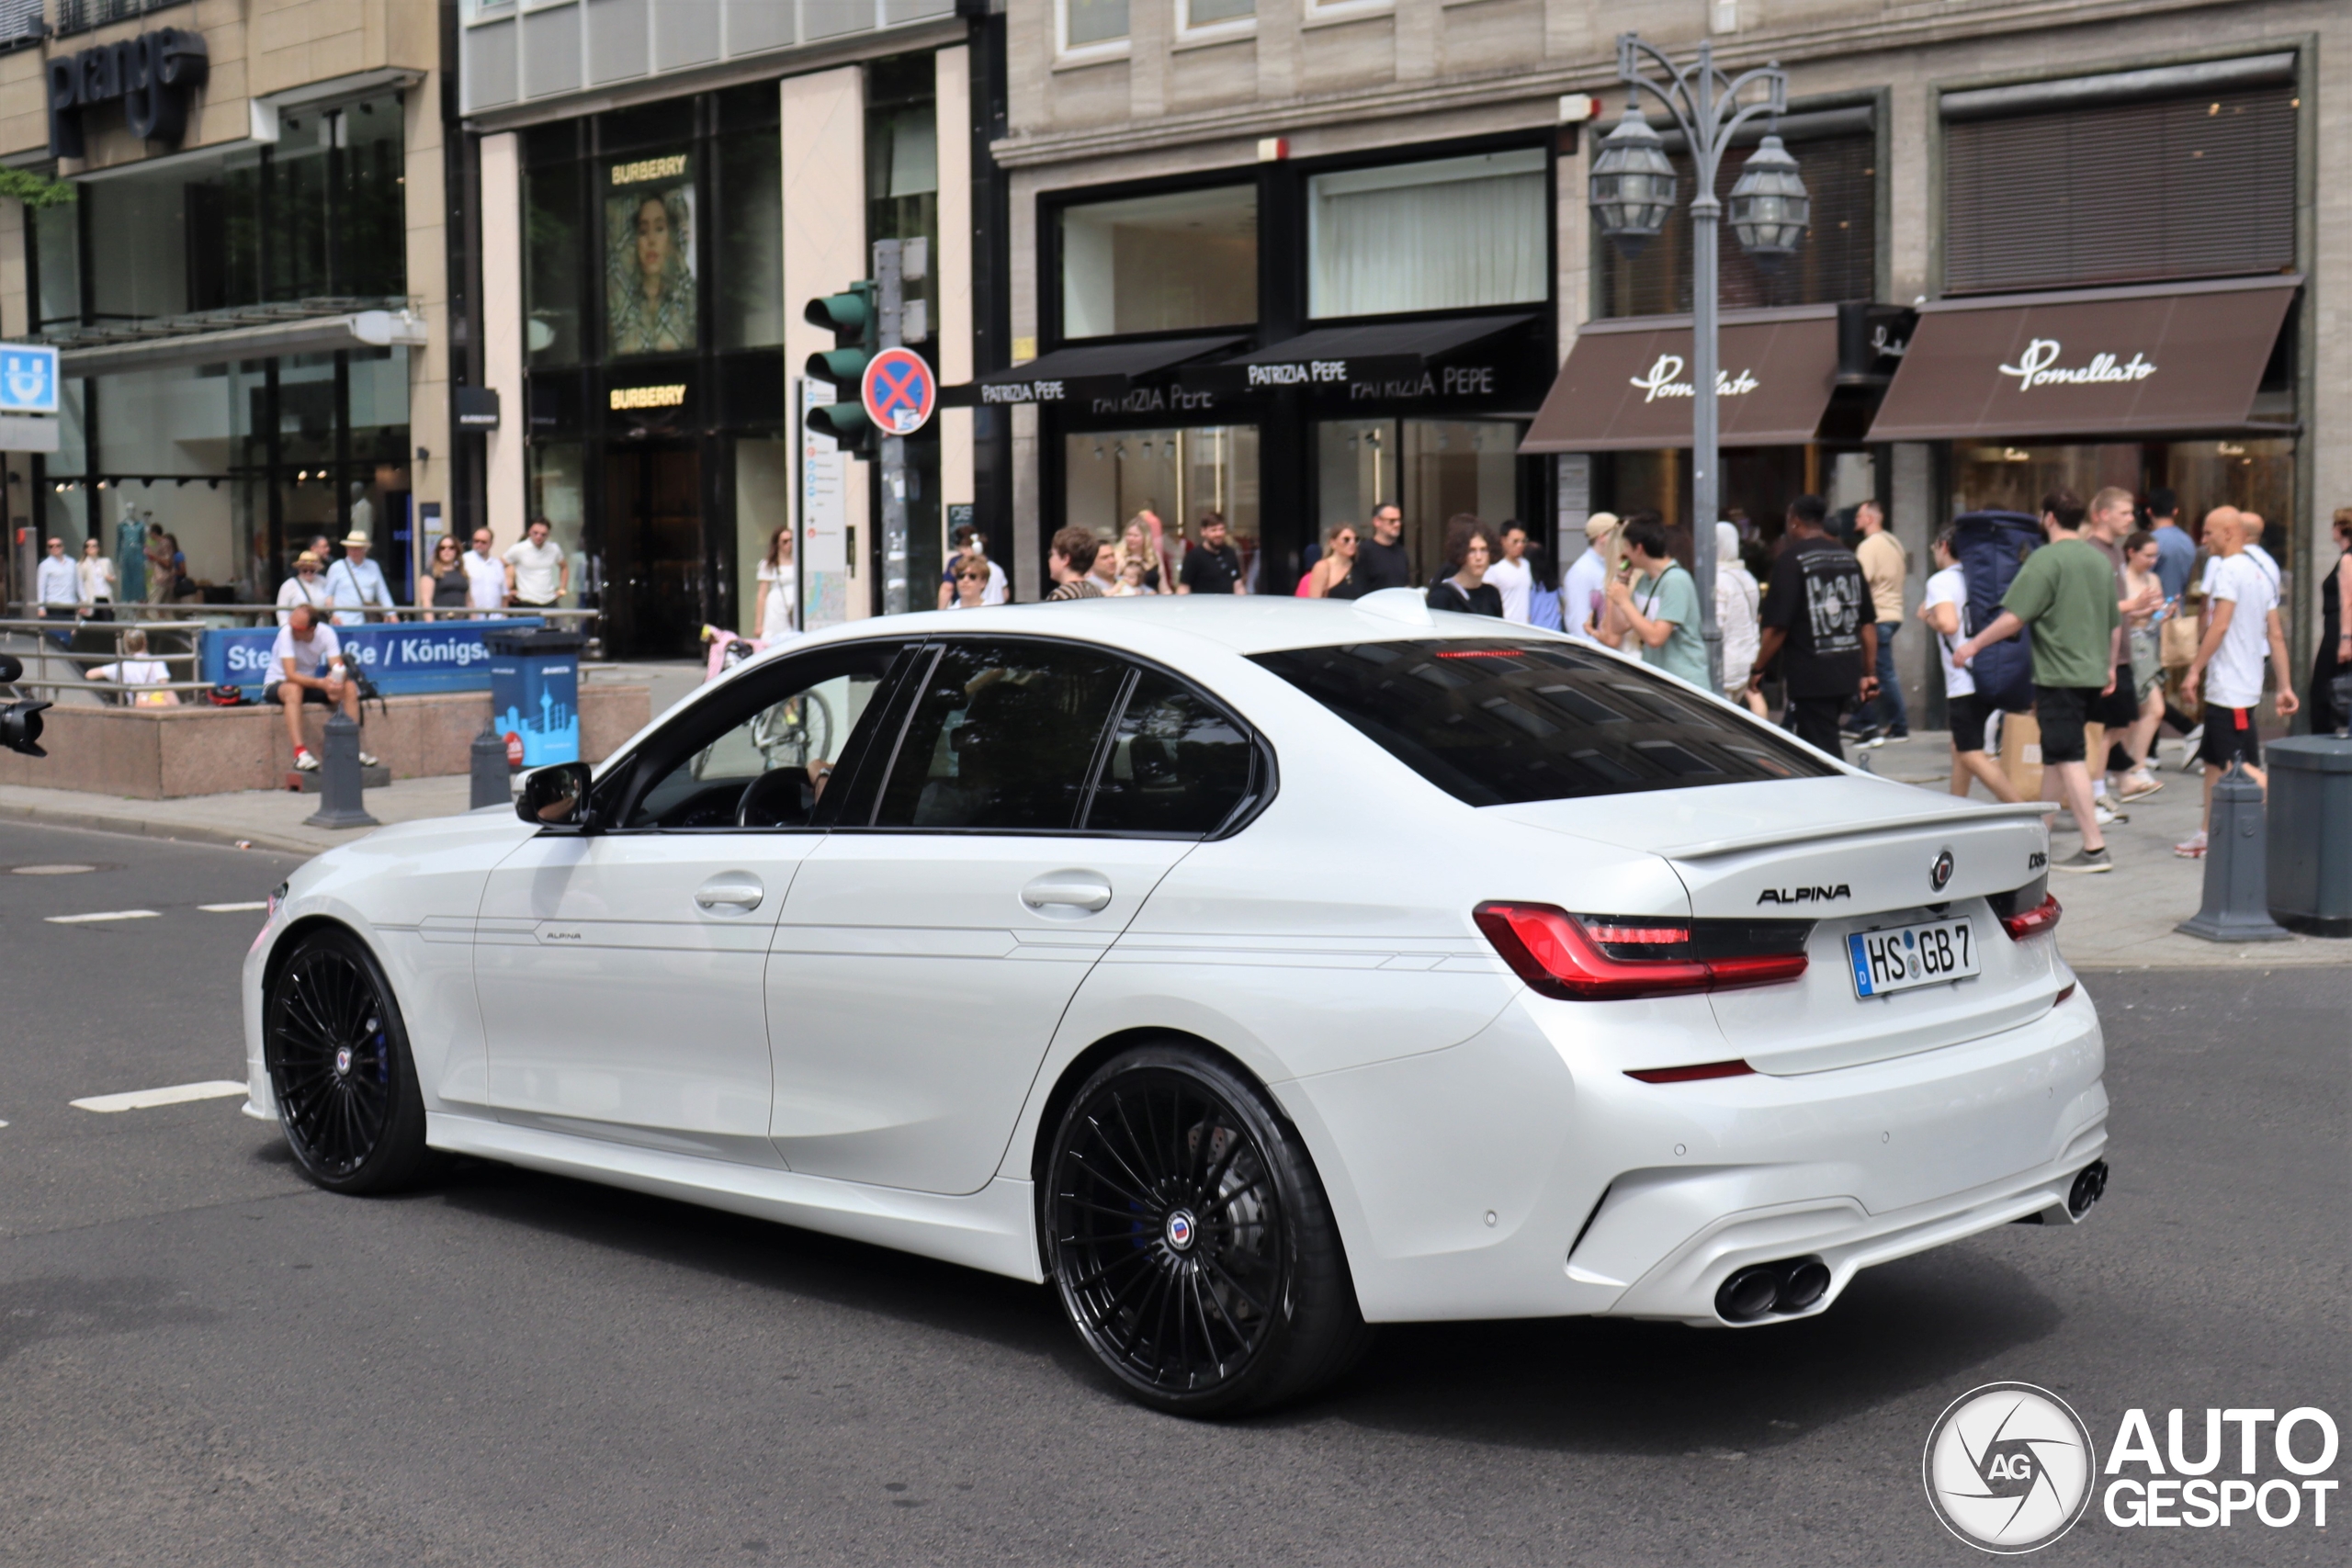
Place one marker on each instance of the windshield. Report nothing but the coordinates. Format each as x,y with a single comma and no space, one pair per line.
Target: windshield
1498,722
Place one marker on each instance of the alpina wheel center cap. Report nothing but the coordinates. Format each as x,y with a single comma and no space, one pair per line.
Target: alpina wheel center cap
343,1061
1179,1230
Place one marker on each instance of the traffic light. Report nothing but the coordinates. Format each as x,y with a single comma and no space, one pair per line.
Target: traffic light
856,327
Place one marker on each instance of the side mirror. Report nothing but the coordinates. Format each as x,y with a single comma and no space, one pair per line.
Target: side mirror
555,796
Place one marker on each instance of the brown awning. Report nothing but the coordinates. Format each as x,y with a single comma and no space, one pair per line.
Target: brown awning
2181,357
1627,384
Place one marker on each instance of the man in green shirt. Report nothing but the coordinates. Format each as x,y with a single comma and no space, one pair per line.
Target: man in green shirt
2066,592
1662,608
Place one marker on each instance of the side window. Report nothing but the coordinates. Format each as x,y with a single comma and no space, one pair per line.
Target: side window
1177,764
760,754
1002,738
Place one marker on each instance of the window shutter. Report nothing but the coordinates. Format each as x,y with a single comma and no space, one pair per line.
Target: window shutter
2179,187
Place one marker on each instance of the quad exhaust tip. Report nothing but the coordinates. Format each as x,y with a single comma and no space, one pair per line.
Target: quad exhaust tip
2090,1186
1768,1290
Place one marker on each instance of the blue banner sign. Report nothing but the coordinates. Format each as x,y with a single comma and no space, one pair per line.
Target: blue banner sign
401,658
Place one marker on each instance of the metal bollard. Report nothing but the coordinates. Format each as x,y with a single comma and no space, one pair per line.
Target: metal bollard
492,776
2237,900
340,782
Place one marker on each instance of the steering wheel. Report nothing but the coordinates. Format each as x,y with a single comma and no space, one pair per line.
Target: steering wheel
781,797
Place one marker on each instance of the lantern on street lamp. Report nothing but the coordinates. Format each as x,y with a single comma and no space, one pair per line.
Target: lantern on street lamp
1633,184
1769,208
1633,189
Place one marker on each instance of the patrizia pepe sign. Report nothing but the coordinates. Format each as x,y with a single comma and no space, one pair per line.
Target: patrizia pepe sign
2039,367
1664,379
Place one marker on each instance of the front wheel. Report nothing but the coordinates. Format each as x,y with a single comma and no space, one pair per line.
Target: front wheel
1190,1239
340,1070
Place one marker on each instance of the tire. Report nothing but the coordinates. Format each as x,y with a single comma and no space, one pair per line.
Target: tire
1190,1241
339,1067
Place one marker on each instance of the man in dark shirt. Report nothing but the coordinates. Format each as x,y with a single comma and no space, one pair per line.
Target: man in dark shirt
1212,566
1817,616
1381,561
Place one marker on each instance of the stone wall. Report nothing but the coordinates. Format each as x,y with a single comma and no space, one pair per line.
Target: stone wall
162,753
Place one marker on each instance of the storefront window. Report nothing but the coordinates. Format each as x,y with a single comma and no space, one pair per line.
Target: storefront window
1178,475
1449,234
750,204
1837,261
57,256
650,269
2252,474
1161,263
1430,471
551,241
557,478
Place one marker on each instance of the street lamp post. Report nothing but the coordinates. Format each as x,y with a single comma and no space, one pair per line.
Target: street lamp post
1632,190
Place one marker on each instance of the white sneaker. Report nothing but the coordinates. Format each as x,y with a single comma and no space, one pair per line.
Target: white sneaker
2106,816
304,762
2188,745
367,760
2191,849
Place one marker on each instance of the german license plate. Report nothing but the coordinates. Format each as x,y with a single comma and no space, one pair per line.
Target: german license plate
1904,957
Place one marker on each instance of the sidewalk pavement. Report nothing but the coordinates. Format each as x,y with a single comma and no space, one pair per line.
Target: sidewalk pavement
2123,919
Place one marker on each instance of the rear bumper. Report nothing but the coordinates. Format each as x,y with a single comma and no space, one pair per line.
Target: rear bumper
1522,1173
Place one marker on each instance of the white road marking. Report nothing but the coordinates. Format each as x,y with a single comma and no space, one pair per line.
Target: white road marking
51,870
102,914
148,1099
234,908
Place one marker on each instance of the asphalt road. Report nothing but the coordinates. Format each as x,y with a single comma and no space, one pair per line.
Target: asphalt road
204,1361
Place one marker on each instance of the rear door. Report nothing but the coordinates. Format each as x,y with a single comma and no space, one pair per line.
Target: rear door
1037,794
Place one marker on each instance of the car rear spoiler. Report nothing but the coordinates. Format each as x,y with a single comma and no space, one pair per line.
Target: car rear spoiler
1942,816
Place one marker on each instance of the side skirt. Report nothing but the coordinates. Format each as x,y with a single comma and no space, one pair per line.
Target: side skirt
992,1229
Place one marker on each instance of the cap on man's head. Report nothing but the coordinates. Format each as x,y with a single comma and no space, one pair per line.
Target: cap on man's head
1599,522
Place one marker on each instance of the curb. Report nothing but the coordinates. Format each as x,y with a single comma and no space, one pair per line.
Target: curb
133,827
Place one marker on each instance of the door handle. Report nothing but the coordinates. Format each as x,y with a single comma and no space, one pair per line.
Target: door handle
733,892
1085,890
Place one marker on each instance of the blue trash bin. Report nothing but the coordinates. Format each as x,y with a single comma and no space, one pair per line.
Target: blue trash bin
535,693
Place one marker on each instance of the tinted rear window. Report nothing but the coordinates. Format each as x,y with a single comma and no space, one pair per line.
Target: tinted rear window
1498,722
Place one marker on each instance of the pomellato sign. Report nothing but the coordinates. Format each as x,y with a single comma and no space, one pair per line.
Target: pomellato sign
1664,379
154,74
2039,367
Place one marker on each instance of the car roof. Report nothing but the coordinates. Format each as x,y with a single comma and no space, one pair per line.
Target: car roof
1240,624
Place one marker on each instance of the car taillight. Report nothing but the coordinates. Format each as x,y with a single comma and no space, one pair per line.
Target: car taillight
2035,921
1595,958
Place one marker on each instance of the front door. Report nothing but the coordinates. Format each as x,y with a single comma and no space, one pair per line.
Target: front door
620,970
926,955
657,589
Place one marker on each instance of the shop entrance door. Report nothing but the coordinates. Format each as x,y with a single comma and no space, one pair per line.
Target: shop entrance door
1429,470
657,583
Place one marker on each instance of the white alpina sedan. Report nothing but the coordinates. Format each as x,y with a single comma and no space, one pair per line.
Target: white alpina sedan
1251,969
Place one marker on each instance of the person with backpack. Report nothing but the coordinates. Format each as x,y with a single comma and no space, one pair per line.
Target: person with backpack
1818,619
2065,594
1945,609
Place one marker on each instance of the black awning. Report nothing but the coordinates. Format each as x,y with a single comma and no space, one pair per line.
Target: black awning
1084,370
1337,355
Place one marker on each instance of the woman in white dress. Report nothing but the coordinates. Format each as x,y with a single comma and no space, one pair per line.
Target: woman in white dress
96,574
780,590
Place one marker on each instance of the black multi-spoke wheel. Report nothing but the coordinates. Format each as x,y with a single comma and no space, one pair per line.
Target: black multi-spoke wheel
339,1067
1192,1244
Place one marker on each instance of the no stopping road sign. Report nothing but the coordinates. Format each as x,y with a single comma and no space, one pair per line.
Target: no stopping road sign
899,391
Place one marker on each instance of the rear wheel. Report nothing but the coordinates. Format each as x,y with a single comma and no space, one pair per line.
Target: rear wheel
340,1070
1190,1238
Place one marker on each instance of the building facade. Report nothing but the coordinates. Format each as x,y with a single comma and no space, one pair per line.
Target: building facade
1288,259
658,192
244,281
